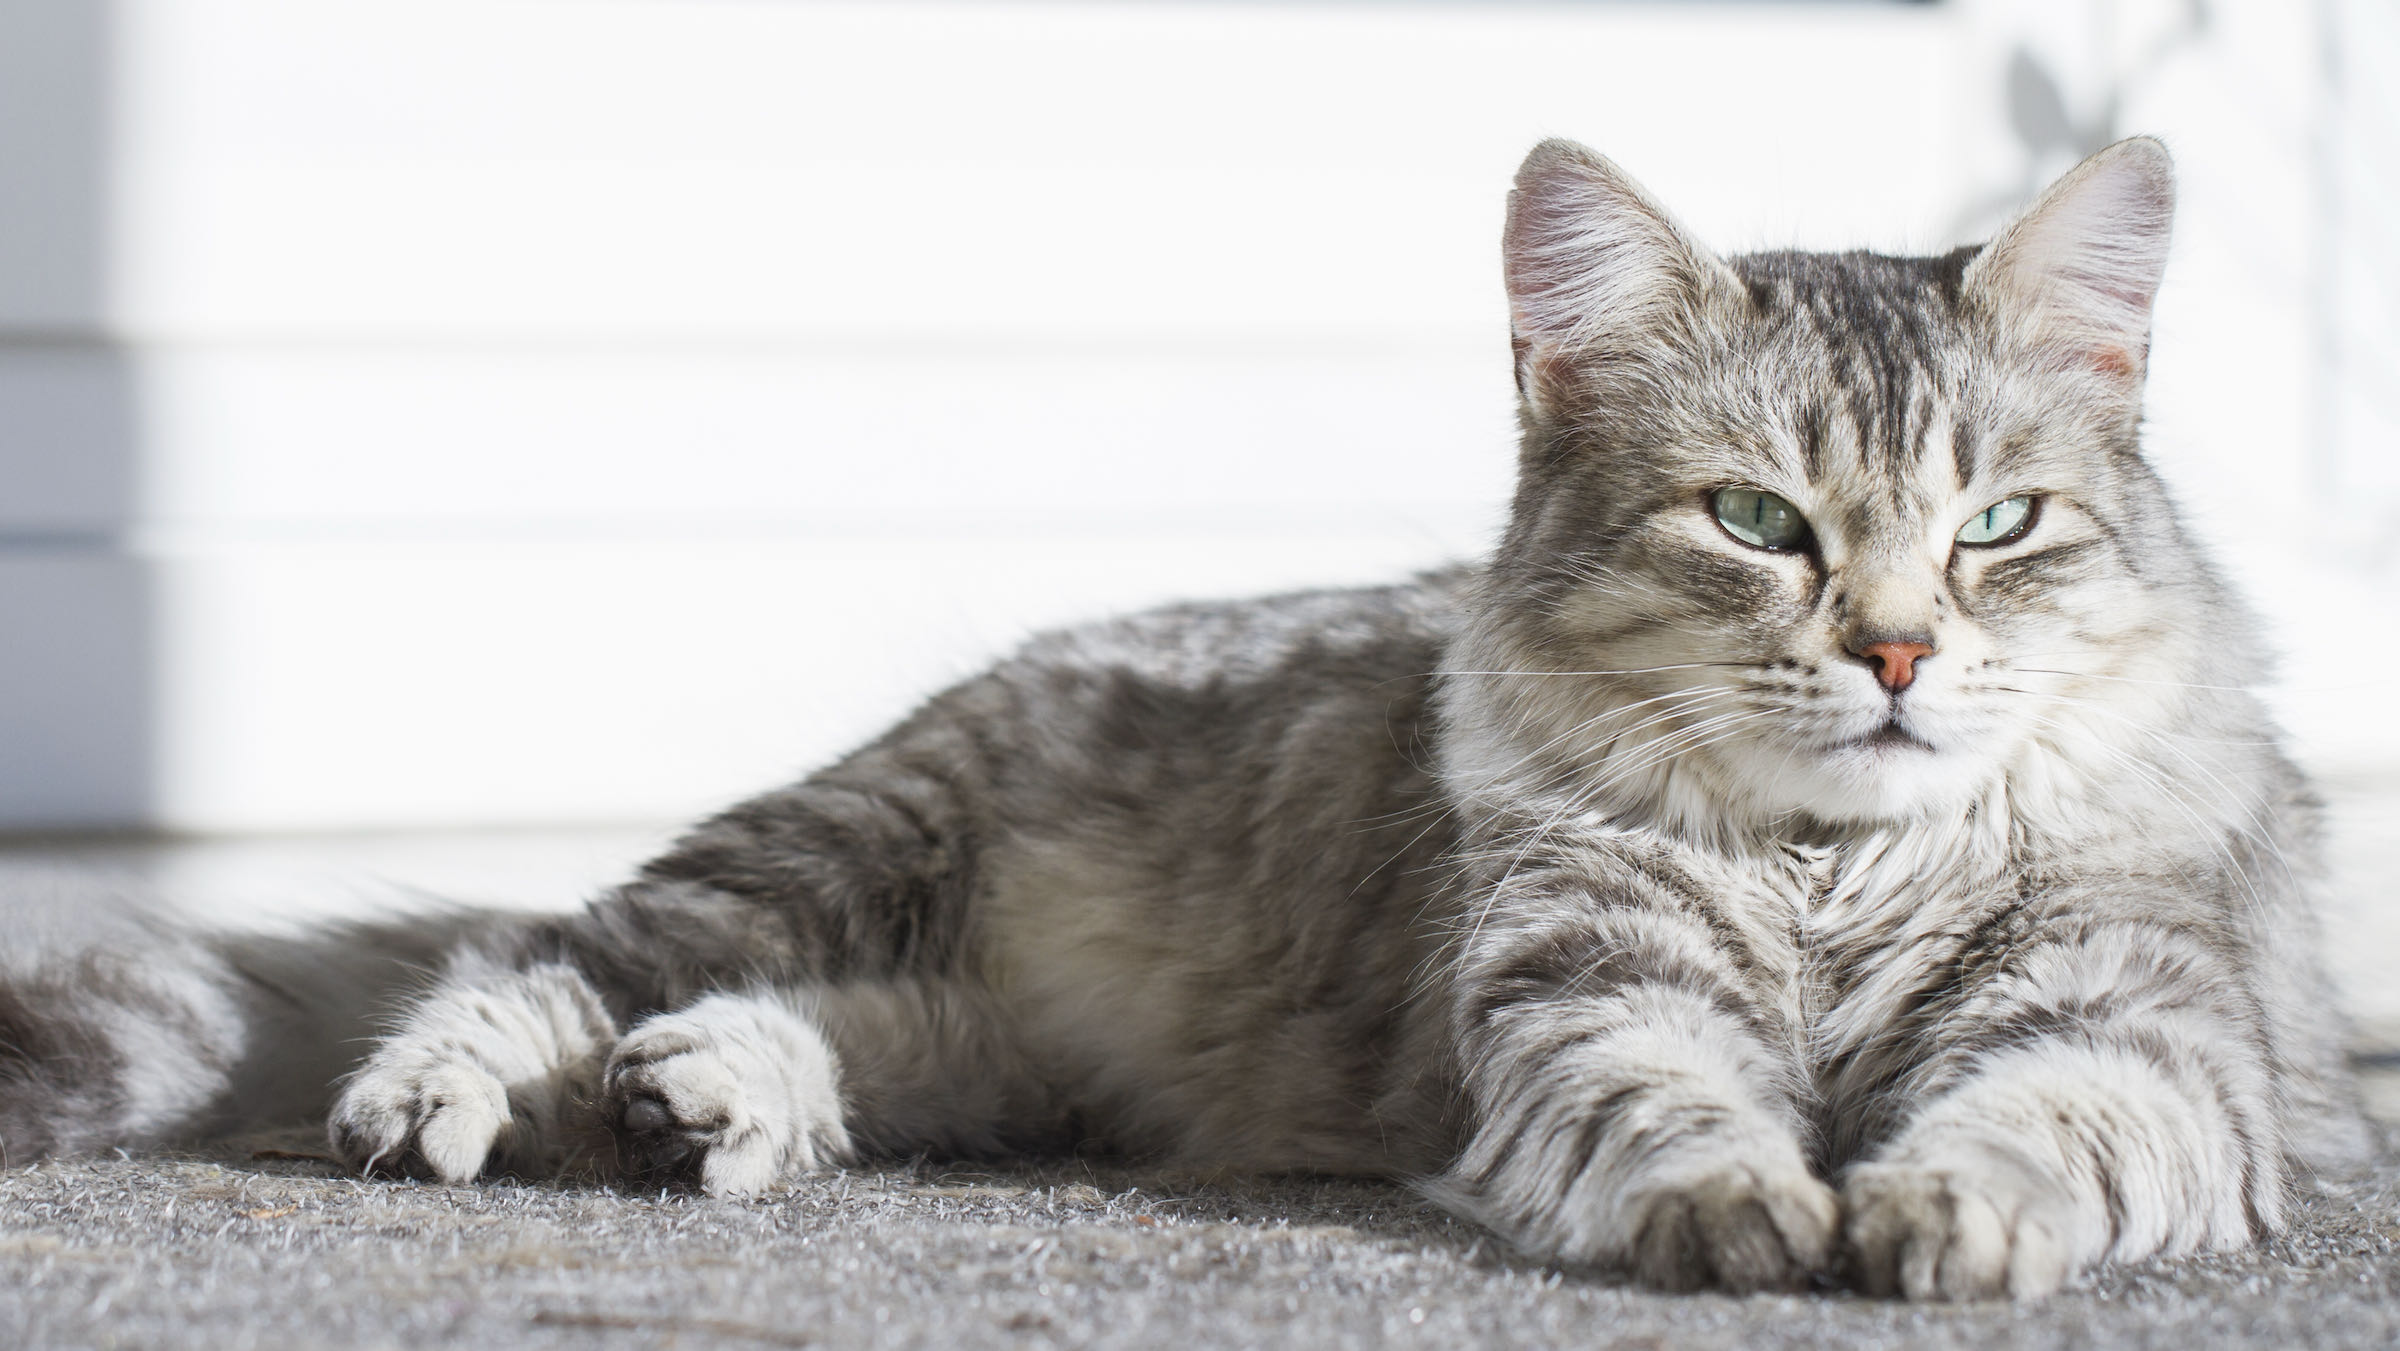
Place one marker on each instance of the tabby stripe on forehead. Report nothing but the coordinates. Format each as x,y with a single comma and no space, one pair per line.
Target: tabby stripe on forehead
1895,388
1812,441
1860,402
1877,349
1964,445
1921,420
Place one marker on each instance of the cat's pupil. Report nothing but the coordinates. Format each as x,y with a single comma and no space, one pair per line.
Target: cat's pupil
1998,523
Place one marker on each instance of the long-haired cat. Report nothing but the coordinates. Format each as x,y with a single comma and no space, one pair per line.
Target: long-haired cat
1832,834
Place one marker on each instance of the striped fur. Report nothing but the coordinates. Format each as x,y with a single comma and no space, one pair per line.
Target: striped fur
1600,889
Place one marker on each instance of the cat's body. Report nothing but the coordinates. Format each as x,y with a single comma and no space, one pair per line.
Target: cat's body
1632,892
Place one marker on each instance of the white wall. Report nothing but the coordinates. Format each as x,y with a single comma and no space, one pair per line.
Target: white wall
447,412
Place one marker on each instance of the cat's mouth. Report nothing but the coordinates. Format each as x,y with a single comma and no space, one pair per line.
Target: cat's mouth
1890,736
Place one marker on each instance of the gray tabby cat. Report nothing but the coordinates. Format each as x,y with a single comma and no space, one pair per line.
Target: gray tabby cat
1831,835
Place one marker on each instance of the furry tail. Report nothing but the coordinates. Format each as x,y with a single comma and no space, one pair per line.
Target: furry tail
154,1035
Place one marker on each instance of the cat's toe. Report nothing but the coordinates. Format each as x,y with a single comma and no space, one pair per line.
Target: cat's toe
1944,1234
732,1095
1737,1229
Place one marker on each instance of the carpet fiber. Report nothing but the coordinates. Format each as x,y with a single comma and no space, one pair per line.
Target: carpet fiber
245,1248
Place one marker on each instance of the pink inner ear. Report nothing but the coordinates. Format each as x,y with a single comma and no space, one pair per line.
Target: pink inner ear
2111,361
2126,304
1542,371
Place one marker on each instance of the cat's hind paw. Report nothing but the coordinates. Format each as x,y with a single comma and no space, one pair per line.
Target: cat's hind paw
440,1120
482,1076
734,1094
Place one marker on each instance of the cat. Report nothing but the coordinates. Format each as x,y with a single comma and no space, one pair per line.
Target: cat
1830,837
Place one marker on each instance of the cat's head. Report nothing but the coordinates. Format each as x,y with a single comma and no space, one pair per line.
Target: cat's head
1831,535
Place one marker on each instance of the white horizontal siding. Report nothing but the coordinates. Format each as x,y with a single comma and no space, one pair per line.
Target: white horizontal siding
440,437
318,683
422,411
469,166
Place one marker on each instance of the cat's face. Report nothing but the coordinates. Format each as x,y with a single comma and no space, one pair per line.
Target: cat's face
1835,536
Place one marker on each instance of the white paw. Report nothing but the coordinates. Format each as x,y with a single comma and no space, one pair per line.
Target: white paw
1731,1209
412,1113
1739,1227
1963,1232
478,1078
735,1094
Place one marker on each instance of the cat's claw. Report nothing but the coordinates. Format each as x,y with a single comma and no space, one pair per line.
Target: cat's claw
733,1095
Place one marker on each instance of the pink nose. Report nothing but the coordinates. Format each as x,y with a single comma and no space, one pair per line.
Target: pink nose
1895,663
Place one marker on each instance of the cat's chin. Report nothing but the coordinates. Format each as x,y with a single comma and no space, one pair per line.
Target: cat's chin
1885,777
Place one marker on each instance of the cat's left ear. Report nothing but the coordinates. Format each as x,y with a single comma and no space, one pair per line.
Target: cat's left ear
2076,273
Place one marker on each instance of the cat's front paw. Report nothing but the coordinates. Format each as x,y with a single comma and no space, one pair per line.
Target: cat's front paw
733,1094
1972,1230
1736,1228
1737,1212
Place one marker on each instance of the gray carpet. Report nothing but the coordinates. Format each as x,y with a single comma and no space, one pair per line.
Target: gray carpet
238,1249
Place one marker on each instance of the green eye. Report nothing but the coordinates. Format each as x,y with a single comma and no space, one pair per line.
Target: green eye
1998,523
1760,520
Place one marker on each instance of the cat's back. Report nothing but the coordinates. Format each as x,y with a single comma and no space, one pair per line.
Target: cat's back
1259,642
1188,712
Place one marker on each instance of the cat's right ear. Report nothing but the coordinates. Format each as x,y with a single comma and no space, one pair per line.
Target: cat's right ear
1597,271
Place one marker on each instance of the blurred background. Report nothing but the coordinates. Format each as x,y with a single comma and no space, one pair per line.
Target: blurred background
452,440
